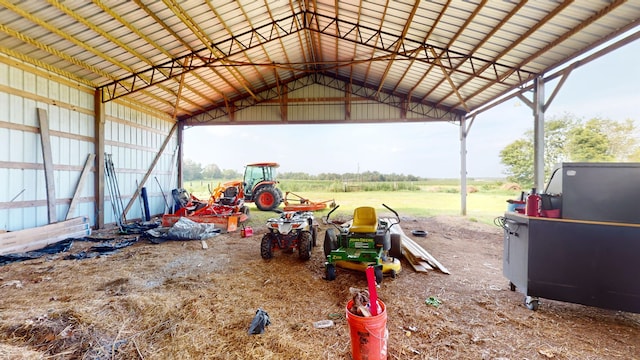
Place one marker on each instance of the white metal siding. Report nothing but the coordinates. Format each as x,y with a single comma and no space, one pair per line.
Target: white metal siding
132,135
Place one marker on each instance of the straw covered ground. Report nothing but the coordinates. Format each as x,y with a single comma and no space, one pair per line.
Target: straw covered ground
176,300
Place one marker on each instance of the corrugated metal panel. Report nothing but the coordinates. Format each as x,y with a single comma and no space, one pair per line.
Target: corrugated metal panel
134,136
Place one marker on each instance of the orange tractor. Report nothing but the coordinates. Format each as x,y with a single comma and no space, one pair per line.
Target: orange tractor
259,185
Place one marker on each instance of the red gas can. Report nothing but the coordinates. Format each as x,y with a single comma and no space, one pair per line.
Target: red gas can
246,231
533,204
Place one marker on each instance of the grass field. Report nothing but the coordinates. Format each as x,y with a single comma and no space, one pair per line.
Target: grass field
485,199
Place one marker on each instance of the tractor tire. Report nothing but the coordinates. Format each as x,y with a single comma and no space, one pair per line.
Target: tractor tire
266,247
304,245
396,246
267,198
330,242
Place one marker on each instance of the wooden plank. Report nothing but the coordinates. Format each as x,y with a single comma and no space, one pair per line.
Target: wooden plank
37,238
43,230
416,249
417,265
80,186
21,240
39,244
151,167
47,157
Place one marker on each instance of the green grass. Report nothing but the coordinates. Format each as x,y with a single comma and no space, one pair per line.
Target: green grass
430,198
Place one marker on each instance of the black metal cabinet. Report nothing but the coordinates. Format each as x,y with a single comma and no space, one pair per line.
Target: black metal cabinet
584,262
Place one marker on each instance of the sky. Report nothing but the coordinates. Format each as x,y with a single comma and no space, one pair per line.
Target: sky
608,88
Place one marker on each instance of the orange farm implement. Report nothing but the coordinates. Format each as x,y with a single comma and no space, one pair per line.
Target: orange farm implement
225,208
303,204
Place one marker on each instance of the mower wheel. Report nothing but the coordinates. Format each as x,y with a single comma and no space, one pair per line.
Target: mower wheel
396,246
377,271
330,242
304,246
245,210
330,272
267,198
266,247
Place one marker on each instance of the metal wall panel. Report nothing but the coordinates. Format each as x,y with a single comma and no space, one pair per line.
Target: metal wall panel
133,138
132,134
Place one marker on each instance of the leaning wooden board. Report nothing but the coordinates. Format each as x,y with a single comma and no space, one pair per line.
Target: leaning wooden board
37,238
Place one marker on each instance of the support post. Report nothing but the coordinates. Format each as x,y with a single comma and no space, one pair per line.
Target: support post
99,122
463,166
178,163
538,133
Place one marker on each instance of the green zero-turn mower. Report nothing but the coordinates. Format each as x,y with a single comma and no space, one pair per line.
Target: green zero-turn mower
365,241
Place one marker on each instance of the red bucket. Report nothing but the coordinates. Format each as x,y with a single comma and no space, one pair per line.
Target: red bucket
369,334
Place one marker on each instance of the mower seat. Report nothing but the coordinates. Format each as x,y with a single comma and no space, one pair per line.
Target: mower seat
229,196
365,220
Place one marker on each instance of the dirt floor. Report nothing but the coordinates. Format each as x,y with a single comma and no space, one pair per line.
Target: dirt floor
176,300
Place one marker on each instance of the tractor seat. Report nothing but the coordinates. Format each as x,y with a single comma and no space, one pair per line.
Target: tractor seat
365,220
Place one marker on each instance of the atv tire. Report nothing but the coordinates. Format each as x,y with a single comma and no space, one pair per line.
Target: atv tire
304,246
314,235
267,198
266,247
330,242
396,246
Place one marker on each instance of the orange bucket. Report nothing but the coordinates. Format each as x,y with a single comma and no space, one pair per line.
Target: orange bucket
368,334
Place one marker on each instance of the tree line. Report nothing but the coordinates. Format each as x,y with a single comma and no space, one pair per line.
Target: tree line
569,139
192,170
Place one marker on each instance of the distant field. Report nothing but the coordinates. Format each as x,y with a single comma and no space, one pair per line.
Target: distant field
485,199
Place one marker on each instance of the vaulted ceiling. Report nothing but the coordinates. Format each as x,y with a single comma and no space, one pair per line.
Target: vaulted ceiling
195,57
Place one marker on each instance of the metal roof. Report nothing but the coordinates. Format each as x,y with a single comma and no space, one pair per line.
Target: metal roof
454,56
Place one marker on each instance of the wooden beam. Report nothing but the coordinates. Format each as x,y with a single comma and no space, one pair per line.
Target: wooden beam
80,186
148,174
47,158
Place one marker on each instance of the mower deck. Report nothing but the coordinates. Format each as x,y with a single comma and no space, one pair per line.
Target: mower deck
387,266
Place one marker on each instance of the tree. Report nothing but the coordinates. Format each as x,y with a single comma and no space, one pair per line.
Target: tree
211,171
568,139
518,157
621,138
191,170
589,143
231,174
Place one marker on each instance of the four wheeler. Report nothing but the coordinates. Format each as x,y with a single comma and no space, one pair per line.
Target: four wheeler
365,241
292,230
